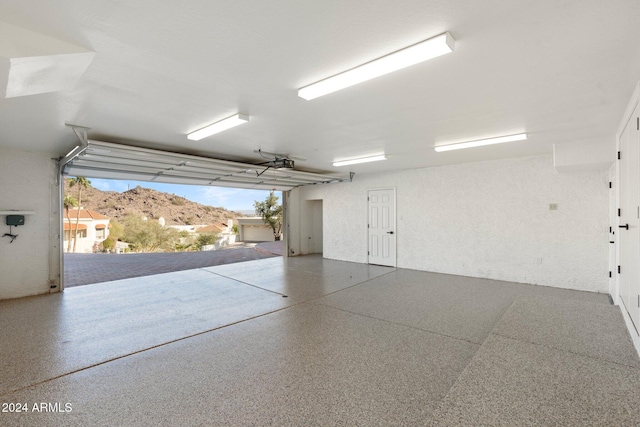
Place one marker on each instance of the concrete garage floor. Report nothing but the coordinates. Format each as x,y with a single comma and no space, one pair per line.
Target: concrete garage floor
351,345
85,269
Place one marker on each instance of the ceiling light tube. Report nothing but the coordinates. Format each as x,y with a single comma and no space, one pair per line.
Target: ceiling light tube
406,57
361,160
481,142
225,124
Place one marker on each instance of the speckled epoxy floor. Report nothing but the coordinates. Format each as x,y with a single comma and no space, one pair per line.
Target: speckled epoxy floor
351,345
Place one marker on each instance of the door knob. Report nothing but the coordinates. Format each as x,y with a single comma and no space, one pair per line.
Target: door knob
624,226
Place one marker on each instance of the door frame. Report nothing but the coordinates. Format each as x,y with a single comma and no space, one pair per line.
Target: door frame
395,221
615,294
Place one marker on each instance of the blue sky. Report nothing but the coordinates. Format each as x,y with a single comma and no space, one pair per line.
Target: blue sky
233,199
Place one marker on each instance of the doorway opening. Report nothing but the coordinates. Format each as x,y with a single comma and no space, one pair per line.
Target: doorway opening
122,229
314,232
110,161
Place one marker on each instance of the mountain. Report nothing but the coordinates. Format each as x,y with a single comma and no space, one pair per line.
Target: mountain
153,204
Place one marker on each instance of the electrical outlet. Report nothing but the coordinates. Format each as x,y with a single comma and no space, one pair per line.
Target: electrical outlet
553,206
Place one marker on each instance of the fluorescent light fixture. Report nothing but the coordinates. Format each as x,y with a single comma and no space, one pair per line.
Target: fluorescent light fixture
406,57
481,142
361,160
225,124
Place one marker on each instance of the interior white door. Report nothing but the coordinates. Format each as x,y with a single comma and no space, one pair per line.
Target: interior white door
629,218
382,227
634,218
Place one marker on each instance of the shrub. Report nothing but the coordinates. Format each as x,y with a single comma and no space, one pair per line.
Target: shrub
178,201
149,236
109,243
205,239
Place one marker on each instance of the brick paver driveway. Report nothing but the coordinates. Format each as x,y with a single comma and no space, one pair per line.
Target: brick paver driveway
83,269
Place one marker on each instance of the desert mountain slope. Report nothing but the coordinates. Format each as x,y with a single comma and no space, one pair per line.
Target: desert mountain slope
153,204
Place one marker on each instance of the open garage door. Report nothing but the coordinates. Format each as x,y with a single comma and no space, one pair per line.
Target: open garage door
98,159
107,160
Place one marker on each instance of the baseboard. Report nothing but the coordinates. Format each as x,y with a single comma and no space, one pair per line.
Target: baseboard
635,338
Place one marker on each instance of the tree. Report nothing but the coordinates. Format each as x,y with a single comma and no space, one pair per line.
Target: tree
69,202
271,213
81,182
116,229
149,236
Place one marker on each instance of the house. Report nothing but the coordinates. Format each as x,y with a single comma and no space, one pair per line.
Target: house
224,231
92,229
509,158
213,228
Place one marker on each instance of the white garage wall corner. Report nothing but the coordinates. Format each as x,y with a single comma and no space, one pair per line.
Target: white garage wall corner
344,219
584,155
487,219
25,184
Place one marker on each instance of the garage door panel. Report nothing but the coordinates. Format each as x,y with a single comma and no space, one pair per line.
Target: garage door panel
253,233
99,159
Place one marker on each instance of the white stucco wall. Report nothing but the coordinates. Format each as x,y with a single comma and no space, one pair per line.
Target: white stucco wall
85,244
25,184
488,219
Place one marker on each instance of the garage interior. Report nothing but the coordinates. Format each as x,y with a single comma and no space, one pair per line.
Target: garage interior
350,344
491,285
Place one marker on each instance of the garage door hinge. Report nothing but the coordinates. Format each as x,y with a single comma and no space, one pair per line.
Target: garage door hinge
610,186
618,211
609,274
618,269
638,123
368,253
618,155
609,229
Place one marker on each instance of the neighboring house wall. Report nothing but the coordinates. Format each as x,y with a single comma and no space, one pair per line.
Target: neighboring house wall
93,230
224,239
26,183
253,229
487,219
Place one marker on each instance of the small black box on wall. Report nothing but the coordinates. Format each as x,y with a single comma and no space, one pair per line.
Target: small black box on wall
15,219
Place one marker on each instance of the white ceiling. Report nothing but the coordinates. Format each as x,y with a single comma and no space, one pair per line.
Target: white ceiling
562,71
